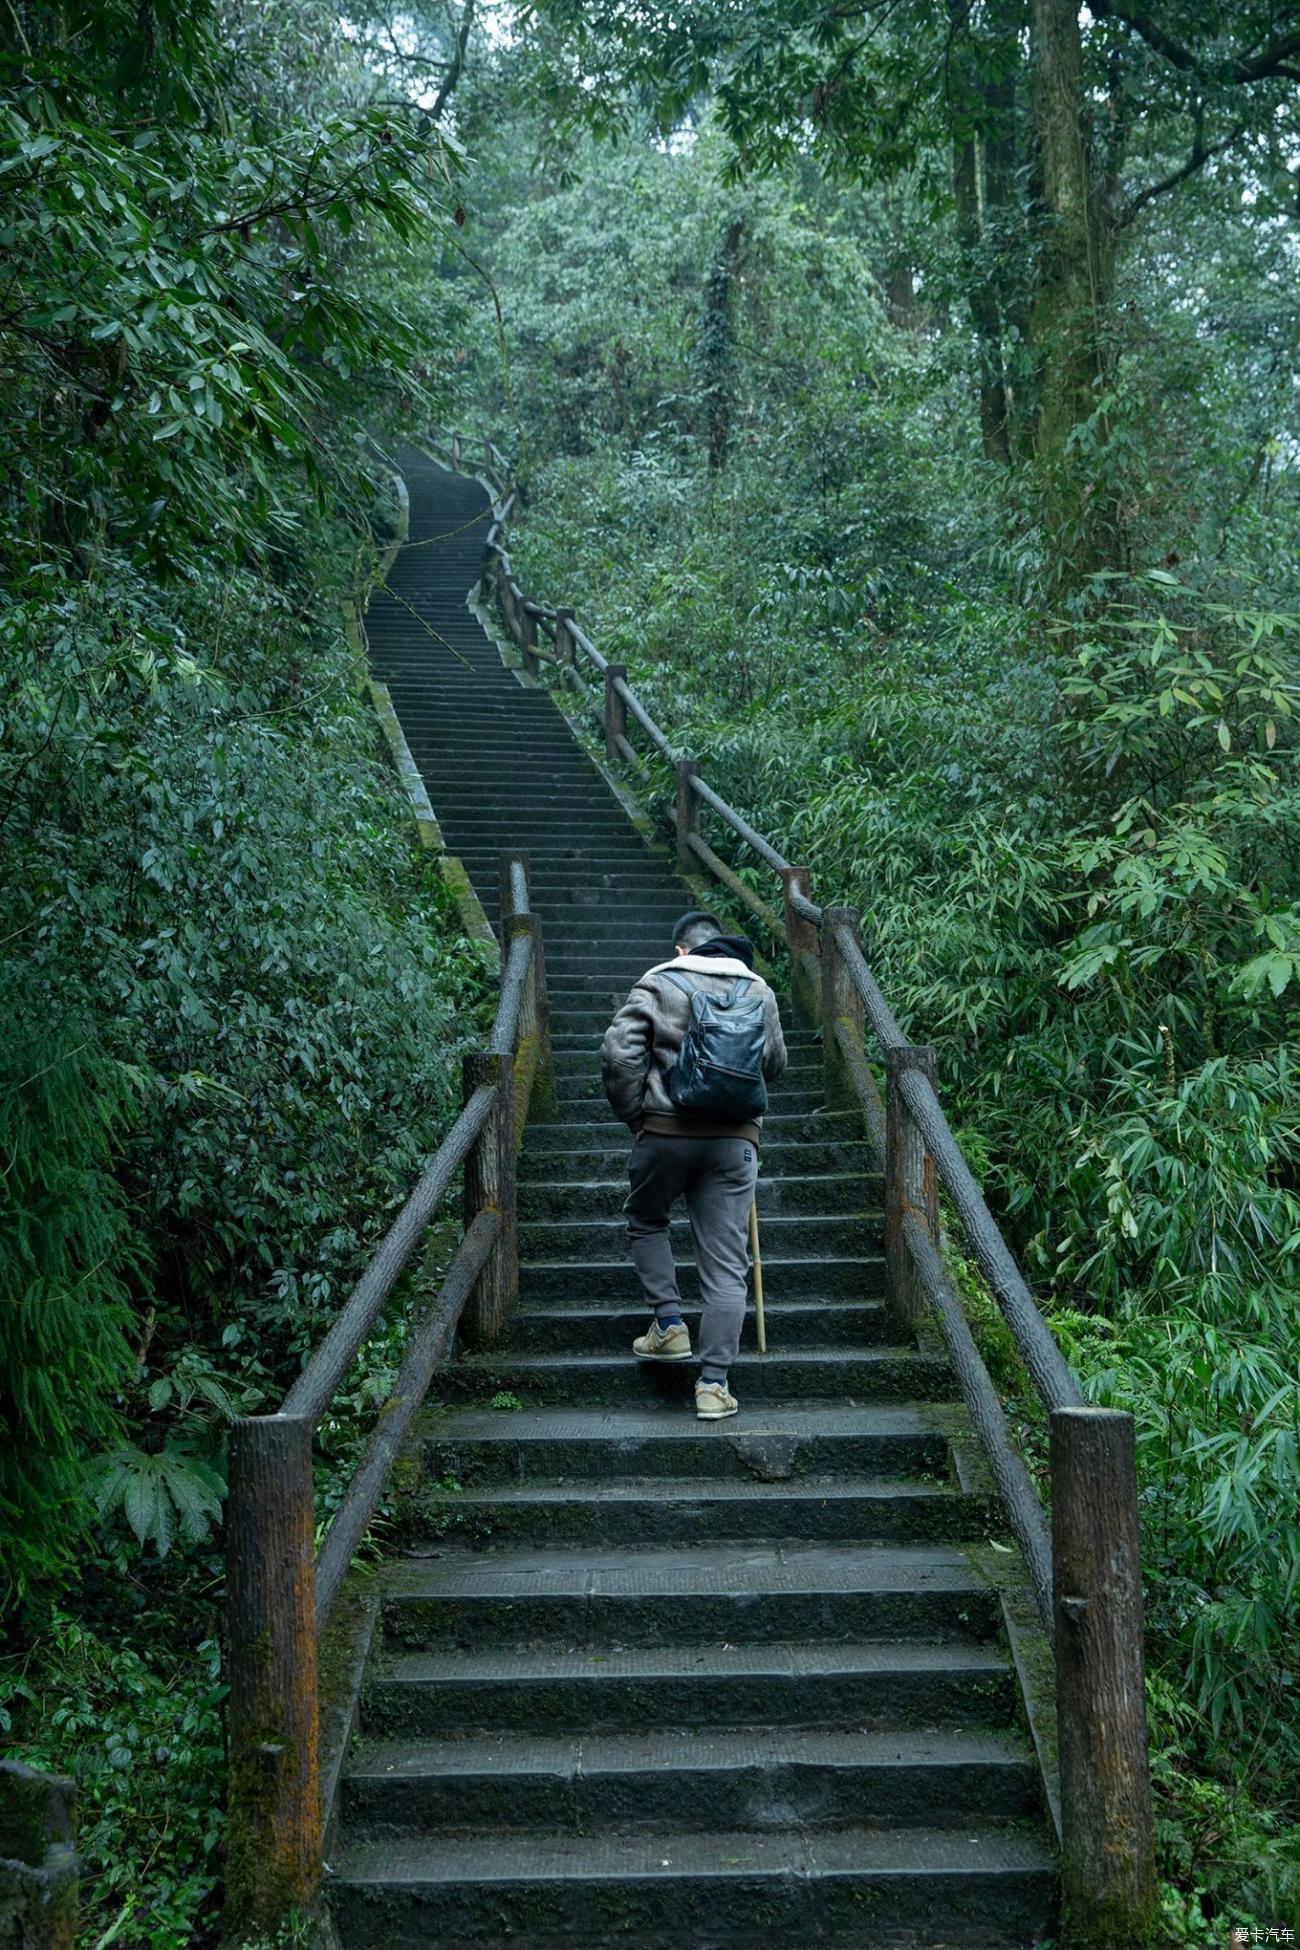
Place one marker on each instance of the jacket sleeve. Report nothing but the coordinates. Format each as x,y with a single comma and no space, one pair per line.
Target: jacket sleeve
626,1053
774,1051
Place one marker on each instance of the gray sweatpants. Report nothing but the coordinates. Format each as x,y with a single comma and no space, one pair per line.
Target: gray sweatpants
717,1177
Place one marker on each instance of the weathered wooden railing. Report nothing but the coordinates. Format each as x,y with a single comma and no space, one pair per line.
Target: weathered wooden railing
1084,1566
279,1587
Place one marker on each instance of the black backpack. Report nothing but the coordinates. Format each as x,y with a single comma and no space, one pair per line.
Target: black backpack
719,1070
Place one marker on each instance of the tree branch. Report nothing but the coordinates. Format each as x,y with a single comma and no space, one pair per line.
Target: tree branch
1202,151
1270,61
454,71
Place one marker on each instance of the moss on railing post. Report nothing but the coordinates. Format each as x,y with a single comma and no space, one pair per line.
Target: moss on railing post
1108,1883
534,1064
38,1859
565,648
490,1185
842,1007
911,1185
615,711
528,639
273,1814
687,814
801,942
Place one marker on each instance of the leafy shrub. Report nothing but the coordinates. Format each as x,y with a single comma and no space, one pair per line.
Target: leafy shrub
141,1729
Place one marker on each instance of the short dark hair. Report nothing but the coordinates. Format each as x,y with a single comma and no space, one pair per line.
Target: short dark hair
696,927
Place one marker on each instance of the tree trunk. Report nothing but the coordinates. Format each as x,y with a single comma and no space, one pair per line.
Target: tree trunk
717,345
968,104
1073,288
981,296
1005,236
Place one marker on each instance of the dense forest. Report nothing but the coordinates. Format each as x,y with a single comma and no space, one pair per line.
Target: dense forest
906,393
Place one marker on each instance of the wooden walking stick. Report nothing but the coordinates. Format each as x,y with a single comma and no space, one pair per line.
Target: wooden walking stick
758,1278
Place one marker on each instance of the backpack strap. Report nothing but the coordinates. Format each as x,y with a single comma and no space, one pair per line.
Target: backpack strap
688,987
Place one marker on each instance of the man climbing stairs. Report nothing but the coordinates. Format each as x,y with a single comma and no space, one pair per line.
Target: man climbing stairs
642,1680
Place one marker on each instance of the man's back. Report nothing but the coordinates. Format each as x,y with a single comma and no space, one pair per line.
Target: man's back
705,1156
643,1043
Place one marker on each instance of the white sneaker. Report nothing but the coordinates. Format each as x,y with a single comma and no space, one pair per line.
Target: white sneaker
713,1402
663,1343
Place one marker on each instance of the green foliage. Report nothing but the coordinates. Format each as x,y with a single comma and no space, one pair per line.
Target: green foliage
180,308
1068,818
143,1729
232,989
67,1261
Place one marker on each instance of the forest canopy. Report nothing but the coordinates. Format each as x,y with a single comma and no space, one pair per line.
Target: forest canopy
907,394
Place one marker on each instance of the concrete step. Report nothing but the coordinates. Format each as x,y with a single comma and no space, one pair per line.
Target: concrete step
914,1683
550,1135
611,890
785,1234
790,1100
569,1199
606,1155
790,1886
575,1070
582,1084
614,1282
686,1778
633,1512
543,802
771,1444
746,1593
573,1731
572,855
800,1043
794,1323
485,823
618,931
800,1374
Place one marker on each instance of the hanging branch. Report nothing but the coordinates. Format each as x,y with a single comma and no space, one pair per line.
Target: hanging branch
1274,60
1202,152
454,71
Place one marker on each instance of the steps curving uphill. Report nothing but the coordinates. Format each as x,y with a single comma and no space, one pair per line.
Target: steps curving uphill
654,1682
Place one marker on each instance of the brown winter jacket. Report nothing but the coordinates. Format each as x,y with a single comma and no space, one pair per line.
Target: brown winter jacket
642,1044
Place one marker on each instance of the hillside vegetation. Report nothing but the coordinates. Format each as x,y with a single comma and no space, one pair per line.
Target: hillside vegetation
1053,761
906,394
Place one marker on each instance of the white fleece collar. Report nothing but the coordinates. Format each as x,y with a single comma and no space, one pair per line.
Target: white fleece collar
703,965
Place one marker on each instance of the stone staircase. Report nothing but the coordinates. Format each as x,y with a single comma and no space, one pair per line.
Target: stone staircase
640,1680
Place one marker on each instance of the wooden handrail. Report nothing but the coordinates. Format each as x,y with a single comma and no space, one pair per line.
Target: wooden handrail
754,840
279,1589
317,1385
424,1350
834,983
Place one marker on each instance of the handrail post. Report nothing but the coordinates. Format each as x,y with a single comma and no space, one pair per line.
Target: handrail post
801,942
534,1063
687,817
534,1067
514,861
455,451
490,1184
911,1184
1107,1860
566,650
528,641
615,709
273,1814
842,1006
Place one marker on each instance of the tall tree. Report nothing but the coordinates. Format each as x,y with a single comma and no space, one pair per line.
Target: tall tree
1044,132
